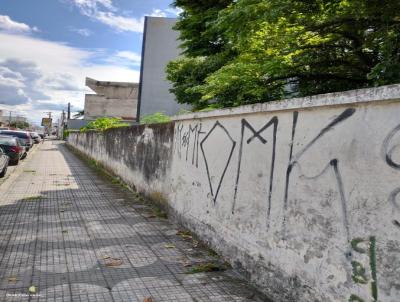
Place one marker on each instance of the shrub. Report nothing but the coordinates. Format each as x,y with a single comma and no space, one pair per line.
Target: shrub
158,117
104,123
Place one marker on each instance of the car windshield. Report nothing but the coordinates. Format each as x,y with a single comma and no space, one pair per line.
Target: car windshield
14,133
7,141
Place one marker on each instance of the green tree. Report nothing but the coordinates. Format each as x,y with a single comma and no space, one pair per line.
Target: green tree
19,124
104,123
79,114
204,47
199,35
284,48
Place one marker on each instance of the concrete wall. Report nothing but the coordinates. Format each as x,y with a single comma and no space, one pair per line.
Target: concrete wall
114,90
302,194
160,45
112,99
99,106
140,155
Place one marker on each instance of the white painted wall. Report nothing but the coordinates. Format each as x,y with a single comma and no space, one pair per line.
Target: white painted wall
303,194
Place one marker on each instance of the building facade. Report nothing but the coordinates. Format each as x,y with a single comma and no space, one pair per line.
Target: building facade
111,99
160,46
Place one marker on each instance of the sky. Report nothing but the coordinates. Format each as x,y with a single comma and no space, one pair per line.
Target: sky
48,47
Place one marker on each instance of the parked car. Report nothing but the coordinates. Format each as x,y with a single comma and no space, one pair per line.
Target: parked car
35,137
23,135
4,159
12,148
21,144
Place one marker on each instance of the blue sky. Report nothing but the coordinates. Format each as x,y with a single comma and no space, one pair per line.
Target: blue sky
48,47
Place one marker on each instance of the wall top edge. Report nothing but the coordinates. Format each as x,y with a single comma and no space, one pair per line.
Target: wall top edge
366,95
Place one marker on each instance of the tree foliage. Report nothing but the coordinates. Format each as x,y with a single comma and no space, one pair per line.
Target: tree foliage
104,123
19,124
247,51
155,118
79,114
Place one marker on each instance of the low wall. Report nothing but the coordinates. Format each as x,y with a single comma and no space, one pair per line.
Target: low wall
302,194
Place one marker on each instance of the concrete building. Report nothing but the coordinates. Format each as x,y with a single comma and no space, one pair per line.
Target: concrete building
160,45
112,99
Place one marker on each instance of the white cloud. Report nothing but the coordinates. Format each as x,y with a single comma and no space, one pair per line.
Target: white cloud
8,25
129,55
88,7
10,78
124,58
82,31
169,12
35,73
119,23
158,13
174,11
105,12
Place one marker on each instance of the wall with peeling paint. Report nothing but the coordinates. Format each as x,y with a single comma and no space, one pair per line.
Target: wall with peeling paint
140,155
302,194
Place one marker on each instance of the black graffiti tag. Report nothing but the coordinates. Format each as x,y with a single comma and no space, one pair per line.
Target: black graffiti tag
388,155
257,135
334,164
214,192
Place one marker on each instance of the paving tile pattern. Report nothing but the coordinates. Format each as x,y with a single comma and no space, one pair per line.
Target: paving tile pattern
76,237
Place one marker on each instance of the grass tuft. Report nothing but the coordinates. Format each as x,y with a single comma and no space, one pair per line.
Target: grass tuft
159,213
207,267
33,198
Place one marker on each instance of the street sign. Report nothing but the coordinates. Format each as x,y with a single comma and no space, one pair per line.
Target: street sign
46,122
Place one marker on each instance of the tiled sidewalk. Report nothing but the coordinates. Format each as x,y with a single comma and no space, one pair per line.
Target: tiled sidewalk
72,236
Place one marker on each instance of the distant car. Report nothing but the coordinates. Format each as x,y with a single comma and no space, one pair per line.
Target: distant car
12,148
35,137
41,135
23,135
4,159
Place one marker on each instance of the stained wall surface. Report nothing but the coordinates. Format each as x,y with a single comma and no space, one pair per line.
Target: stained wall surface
302,194
98,106
112,99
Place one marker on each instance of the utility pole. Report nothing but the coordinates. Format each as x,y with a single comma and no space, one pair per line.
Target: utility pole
9,120
62,125
69,111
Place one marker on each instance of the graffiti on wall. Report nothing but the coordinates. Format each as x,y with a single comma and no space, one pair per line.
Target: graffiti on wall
388,149
187,142
364,246
219,148
257,135
193,142
333,164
